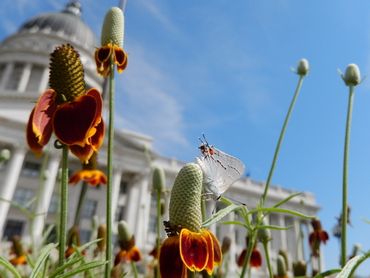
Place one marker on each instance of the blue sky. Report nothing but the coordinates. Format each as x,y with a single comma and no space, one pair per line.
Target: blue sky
223,68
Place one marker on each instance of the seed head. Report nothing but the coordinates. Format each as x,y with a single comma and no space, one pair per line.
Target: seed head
185,203
66,73
113,28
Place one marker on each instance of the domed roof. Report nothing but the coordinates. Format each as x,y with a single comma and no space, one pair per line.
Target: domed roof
67,24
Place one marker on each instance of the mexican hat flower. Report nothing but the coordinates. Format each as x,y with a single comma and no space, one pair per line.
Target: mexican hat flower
67,109
73,241
188,246
128,250
111,50
89,173
20,257
317,236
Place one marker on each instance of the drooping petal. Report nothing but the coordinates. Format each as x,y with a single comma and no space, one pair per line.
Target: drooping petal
134,254
256,258
241,258
41,117
217,249
92,177
83,153
120,257
210,261
193,250
170,263
120,59
31,137
19,260
324,236
74,122
102,59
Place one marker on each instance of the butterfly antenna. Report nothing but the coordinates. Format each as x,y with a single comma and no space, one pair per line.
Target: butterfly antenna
205,139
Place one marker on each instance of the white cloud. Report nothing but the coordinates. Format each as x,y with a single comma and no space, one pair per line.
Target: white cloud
148,104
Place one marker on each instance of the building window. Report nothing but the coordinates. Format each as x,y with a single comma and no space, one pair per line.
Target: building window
2,71
89,208
13,228
23,196
120,213
275,234
15,77
123,187
54,204
85,235
34,81
31,169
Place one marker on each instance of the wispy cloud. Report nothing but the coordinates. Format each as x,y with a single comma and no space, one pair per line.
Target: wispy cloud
148,104
153,8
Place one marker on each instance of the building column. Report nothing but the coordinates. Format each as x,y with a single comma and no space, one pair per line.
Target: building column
10,183
284,244
116,183
132,207
44,197
143,213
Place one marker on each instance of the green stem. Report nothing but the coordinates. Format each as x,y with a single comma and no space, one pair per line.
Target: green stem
345,178
63,206
80,203
281,137
158,243
110,172
267,255
134,269
251,242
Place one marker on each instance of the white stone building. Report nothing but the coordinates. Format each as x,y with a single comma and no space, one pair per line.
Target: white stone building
24,61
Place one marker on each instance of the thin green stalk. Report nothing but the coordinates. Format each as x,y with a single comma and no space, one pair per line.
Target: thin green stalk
252,237
134,269
345,178
63,206
267,255
80,203
281,137
158,242
110,173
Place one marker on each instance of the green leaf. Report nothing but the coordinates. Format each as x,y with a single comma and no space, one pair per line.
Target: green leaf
73,259
327,273
239,223
82,268
24,210
350,267
220,214
281,210
273,227
44,254
287,199
88,244
5,263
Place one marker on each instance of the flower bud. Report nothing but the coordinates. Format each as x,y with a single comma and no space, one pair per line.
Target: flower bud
125,237
102,234
352,76
185,202
66,73
113,27
281,268
284,254
303,67
159,179
226,243
4,155
263,234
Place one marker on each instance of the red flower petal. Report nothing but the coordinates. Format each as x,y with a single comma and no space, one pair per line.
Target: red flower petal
92,177
74,122
193,250
217,249
256,258
323,236
120,59
83,153
170,263
241,258
134,254
102,59
31,137
211,254
41,118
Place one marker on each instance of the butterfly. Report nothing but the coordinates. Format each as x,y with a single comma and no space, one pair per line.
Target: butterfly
220,170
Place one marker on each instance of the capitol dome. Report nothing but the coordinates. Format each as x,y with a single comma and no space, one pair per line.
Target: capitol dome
66,24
